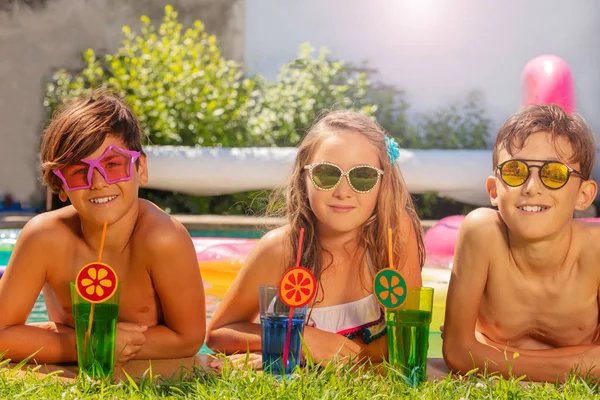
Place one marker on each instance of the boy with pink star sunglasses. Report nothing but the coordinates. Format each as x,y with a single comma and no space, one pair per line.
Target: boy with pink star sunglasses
92,155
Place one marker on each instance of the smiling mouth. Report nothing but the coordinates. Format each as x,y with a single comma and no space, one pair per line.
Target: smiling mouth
342,208
102,200
533,209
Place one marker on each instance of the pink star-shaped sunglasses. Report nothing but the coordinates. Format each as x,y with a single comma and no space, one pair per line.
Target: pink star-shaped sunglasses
115,165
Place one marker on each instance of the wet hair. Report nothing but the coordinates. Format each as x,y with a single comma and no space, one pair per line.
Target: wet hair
553,119
393,200
80,127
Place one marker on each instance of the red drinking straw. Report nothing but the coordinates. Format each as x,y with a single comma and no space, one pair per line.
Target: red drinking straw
286,346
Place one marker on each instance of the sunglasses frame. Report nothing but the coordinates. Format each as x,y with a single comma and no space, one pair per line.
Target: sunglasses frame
540,167
310,168
95,164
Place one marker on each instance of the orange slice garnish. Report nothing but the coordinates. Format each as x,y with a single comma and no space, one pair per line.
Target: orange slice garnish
297,287
390,288
96,282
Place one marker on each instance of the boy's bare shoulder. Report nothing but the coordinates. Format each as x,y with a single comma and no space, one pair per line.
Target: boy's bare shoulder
589,234
53,227
482,224
156,229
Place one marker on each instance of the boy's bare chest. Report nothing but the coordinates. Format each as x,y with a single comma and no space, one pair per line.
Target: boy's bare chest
138,300
554,312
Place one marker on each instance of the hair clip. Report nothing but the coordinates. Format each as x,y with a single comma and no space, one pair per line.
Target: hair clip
393,150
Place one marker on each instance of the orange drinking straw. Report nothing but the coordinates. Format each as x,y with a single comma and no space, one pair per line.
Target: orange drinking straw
390,248
286,345
89,330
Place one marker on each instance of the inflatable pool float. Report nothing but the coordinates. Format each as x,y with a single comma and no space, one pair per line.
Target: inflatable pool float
220,260
440,240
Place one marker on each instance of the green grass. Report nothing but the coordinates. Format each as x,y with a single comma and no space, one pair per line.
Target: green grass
307,383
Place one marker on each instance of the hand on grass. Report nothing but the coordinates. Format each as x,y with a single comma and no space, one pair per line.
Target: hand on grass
239,361
129,341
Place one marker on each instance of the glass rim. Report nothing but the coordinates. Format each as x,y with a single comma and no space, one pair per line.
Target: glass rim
420,288
268,286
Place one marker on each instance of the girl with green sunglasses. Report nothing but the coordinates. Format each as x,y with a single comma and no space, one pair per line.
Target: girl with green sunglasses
345,191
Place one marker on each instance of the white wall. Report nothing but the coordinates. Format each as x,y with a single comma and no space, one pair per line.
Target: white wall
437,50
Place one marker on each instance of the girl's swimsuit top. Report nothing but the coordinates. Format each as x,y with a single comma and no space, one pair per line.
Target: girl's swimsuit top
362,317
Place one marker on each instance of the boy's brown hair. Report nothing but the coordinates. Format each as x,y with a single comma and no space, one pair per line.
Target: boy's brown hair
79,128
553,119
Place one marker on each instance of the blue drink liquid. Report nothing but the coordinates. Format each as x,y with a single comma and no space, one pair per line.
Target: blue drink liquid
273,332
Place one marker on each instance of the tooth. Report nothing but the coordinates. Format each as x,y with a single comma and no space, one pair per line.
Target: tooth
103,199
532,208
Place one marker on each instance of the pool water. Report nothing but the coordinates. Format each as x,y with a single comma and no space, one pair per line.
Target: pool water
228,233
218,275
4,256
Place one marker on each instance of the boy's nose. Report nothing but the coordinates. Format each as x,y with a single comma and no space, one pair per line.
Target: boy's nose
98,180
532,186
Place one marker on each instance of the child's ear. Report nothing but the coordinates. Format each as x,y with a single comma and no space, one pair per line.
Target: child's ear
587,194
62,195
490,185
142,170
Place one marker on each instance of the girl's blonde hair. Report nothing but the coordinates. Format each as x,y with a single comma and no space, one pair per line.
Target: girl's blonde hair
392,203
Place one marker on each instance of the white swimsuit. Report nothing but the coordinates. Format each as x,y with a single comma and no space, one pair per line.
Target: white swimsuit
362,317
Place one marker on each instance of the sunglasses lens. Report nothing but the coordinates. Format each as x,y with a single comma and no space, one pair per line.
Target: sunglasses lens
363,179
514,173
76,175
555,175
117,165
326,176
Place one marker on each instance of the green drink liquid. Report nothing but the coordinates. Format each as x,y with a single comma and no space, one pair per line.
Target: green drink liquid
96,359
408,342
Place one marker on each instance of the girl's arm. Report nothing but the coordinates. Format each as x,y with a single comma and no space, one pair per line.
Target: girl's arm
326,346
232,328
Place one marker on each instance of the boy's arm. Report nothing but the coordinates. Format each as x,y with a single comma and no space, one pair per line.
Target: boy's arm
176,277
462,351
20,286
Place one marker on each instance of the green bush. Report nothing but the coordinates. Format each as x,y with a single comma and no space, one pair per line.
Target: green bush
462,125
304,88
459,126
182,89
185,92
